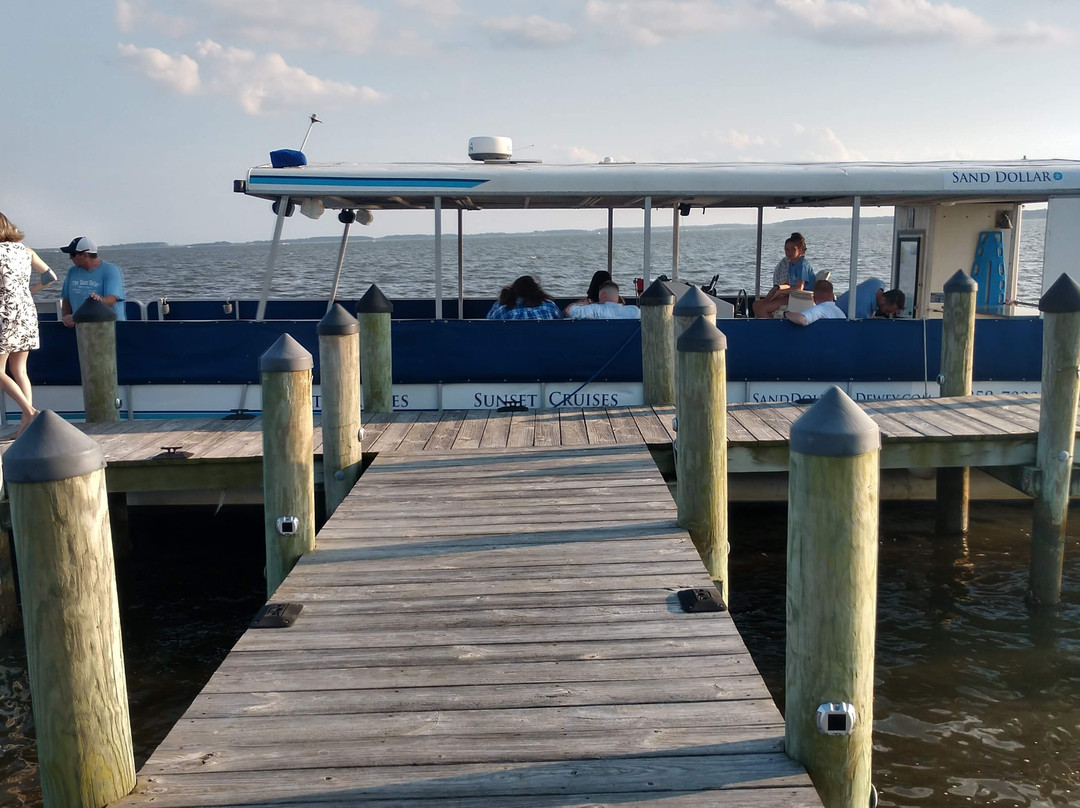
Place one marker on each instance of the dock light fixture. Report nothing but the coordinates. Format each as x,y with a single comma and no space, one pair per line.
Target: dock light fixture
288,525
836,718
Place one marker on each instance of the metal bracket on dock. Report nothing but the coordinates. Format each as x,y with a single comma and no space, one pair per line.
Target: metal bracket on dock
701,600
1028,479
277,615
172,451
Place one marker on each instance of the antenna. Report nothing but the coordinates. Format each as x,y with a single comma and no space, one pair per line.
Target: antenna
314,120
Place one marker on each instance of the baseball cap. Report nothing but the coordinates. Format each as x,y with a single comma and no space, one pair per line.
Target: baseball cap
79,244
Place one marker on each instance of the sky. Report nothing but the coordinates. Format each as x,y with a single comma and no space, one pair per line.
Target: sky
128,120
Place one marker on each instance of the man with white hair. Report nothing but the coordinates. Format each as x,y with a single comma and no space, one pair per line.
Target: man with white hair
609,307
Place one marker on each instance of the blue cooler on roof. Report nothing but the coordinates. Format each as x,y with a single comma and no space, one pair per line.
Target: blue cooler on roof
287,158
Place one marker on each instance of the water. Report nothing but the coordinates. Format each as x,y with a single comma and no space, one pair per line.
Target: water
564,262
977,700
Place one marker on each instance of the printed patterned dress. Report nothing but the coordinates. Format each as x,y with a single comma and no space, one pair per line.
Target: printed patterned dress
18,315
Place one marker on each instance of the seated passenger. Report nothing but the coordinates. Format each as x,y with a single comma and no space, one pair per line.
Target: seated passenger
871,300
524,299
608,308
794,268
599,278
824,307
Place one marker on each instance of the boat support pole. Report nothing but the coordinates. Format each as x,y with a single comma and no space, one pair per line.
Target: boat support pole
675,241
853,273
340,263
460,265
283,206
610,232
757,271
438,257
646,266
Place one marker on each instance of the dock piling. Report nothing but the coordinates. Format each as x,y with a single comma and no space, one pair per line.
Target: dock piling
288,457
1057,431
701,460
657,305
95,333
339,382
693,303
957,362
831,597
60,519
373,313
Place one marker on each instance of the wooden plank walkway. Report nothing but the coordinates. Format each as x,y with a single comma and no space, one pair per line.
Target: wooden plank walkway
488,628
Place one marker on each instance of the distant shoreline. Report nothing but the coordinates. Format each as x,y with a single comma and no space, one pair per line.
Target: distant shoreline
820,221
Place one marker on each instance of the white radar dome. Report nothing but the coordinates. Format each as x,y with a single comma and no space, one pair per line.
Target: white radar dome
490,148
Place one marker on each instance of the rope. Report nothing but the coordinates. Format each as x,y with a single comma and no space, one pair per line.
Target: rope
591,379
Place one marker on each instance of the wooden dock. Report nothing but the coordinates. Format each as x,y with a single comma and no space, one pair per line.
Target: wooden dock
488,628
983,431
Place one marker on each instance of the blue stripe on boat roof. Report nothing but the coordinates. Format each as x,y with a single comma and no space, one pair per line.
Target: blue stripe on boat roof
364,182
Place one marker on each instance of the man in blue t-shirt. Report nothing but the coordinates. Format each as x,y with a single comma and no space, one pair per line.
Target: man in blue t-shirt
90,277
871,300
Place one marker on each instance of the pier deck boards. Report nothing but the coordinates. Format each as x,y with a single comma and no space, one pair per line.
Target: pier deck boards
488,628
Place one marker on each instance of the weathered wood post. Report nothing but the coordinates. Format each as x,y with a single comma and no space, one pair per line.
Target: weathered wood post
657,344
693,303
701,461
1057,434
373,312
9,602
339,382
288,457
831,597
95,333
59,512
957,362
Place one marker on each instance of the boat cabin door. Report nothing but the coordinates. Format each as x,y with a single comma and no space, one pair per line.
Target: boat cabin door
907,266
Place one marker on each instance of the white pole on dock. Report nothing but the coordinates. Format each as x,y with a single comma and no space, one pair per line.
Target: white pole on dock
832,562
95,333
288,457
957,366
657,304
1057,435
339,377
55,479
376,361
701,461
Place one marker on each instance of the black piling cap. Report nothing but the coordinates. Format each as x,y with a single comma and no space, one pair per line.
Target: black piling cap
701,336
93,311
1062,297
374,302
961,282
51,449
835,426
656,295
695,303
285,356
338,323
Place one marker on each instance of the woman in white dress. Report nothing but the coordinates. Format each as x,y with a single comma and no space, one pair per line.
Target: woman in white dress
18,316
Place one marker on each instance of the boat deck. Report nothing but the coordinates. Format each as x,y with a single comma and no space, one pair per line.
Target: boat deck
488,627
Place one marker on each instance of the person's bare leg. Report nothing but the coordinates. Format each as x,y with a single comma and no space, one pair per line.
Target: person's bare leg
17,370
12,390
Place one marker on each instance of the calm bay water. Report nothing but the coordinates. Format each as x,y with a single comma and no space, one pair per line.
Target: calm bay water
977,699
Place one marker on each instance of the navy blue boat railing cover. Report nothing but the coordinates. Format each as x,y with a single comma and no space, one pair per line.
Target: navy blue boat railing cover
456,351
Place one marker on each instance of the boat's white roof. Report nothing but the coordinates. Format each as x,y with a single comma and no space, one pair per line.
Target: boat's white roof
519,185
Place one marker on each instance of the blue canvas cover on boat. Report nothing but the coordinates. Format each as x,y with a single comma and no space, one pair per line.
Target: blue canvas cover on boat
287,158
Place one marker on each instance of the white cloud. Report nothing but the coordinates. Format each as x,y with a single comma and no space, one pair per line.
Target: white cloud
436,11
740,141
651,22
820,144
131,14
335,24
179,73
528,32
810,144
260,83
